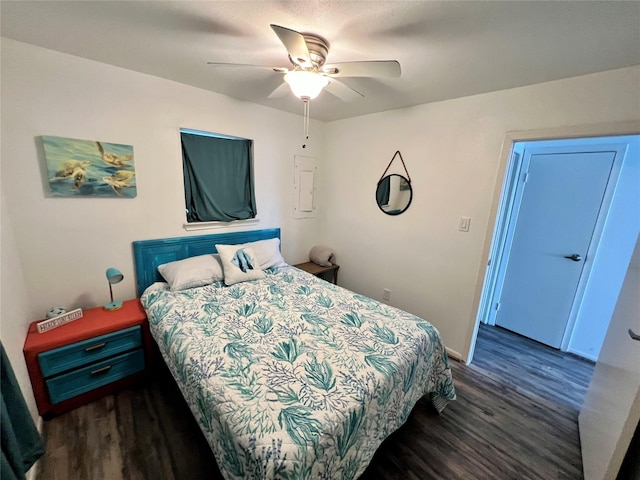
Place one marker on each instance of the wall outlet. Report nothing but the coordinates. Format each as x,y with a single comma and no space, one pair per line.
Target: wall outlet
386,294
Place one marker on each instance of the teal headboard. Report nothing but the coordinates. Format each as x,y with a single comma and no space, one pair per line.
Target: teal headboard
148,254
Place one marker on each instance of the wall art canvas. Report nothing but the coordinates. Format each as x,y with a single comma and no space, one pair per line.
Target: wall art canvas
89,168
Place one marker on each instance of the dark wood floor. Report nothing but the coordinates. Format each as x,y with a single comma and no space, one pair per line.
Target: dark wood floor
515,418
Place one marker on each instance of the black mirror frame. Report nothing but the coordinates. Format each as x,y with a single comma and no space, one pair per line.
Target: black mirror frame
395,212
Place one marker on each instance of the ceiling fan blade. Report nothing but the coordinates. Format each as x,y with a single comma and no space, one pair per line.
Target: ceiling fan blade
342,91
374,68
281,91
295,44
222,64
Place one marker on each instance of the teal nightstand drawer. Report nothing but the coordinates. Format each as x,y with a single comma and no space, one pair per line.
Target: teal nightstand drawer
95,375
88,351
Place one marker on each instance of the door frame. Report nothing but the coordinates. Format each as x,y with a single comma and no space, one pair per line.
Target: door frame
505,172
506,224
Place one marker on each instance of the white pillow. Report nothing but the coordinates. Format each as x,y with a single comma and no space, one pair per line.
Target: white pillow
267,253
239,264
192,272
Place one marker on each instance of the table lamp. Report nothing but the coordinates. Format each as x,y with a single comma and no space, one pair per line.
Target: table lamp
113,276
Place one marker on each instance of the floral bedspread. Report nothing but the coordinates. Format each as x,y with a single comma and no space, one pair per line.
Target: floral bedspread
291,377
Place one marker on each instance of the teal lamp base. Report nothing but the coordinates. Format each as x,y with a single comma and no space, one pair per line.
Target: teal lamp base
113,306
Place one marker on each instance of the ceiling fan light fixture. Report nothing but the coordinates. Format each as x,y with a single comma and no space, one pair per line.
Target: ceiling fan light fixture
304,84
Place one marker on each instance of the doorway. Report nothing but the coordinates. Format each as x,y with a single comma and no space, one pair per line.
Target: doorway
555,201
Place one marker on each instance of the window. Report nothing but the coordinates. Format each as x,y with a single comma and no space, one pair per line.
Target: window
218,177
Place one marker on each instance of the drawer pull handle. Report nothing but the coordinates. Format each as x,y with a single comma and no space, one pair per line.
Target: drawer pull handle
101,370
95,347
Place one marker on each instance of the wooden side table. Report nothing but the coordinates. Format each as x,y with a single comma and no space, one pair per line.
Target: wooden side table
88,358
319,270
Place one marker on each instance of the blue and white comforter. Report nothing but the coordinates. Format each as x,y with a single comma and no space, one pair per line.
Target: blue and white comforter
291,377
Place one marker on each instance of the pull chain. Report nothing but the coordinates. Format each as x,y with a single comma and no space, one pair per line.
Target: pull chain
306,121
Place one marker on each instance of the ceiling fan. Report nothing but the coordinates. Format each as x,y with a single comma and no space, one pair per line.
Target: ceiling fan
309,74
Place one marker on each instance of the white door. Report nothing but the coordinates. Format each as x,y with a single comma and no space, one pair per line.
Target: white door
562,191
611,410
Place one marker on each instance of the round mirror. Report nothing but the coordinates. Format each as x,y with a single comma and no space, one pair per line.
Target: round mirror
394,194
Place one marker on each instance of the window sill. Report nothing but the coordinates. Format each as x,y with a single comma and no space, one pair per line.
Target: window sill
216,225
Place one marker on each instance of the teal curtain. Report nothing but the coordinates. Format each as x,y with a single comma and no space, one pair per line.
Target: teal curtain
22,445
218,178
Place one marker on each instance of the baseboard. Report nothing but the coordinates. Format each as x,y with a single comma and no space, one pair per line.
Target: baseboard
32,473
453,354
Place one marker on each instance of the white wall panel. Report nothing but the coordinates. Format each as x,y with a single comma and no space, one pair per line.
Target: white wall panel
65,244
452,150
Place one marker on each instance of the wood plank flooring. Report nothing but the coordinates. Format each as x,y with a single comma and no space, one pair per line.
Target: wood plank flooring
515,418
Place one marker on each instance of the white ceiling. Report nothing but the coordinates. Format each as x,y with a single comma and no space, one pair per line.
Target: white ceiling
447,49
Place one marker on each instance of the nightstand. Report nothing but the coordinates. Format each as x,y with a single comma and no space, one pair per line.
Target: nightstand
319,270
88,358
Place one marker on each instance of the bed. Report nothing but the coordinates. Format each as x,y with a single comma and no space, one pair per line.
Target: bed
288,376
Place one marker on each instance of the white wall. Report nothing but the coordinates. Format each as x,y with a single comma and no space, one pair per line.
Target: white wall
452,151
14,306
64,245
